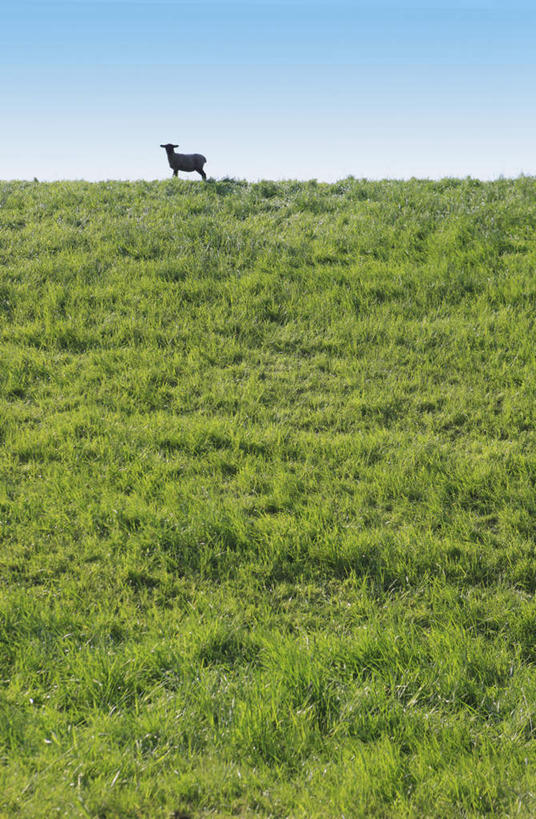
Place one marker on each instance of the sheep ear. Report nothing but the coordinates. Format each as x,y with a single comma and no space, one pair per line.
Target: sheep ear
174,146
162,146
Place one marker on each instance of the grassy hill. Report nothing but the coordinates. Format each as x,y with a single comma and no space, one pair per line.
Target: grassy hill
267,499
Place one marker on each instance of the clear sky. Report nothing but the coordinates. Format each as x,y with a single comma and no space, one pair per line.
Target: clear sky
268,88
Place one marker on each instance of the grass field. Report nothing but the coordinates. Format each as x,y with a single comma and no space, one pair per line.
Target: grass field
267,499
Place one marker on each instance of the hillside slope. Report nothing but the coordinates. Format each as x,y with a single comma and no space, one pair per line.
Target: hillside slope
267,504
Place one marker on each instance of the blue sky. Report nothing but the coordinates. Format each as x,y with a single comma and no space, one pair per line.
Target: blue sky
293,89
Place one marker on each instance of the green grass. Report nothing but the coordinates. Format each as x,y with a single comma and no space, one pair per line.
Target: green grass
267,499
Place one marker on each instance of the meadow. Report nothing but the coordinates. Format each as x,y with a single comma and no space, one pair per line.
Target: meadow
267,498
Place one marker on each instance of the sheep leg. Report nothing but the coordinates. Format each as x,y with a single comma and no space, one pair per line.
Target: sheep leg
202,172
176,173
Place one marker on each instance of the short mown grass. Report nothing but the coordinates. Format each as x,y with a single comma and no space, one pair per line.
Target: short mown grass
267,498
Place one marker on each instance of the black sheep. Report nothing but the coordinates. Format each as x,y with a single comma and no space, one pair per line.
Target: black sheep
184,162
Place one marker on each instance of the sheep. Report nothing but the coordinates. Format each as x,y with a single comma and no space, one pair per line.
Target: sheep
184,162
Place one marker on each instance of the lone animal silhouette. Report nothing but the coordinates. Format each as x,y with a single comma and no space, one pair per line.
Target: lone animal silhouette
184,162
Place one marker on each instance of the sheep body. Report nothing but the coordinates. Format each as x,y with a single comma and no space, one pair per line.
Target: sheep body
184,162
